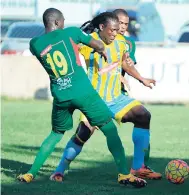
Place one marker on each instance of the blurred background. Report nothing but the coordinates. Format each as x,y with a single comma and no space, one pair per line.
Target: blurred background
159,27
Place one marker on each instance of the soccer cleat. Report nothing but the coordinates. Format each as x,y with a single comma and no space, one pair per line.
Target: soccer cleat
28,177
146,173
131,180
58,177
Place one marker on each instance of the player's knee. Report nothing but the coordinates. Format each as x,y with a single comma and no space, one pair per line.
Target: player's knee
142,118
82,134
109,129
61,127
143,114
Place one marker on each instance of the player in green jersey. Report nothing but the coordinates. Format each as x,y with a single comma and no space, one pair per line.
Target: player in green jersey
58,53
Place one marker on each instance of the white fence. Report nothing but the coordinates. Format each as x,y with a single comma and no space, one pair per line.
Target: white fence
23,77
169,67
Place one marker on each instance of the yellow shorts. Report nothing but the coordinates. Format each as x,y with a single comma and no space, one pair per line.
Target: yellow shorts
118,107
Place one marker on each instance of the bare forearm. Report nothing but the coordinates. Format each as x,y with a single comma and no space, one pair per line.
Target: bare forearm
97,45
132,71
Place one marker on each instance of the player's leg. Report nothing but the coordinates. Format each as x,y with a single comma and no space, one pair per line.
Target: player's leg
147,156
113,141
45,150
125,91
61,121
99,115
140,117
126,109
72,150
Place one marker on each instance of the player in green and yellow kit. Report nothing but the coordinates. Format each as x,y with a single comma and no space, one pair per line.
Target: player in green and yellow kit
131,48
130,43
58,53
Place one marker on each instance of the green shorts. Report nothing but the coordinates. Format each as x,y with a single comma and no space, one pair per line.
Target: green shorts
92,106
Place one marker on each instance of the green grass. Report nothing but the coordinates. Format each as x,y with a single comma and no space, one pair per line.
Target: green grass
26,123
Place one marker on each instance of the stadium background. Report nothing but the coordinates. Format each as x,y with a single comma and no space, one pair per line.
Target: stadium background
161,31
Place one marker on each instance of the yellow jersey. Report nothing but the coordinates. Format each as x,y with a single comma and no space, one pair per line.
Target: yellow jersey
105,75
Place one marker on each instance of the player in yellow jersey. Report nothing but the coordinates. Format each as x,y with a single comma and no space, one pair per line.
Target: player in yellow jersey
131,48
105,78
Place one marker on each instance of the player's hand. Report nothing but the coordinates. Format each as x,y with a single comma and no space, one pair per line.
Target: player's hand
148,82
103,54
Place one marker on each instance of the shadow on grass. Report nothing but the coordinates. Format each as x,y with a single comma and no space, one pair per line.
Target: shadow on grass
28,150
97,178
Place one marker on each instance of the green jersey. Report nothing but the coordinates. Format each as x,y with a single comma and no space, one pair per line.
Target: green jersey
58,53
131,47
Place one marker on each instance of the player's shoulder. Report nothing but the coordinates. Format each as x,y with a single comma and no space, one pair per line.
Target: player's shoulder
120,41
72,29
33,41
33,44
120,37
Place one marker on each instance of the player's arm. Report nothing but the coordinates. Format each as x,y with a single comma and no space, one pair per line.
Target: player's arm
32,41
32,49
130,69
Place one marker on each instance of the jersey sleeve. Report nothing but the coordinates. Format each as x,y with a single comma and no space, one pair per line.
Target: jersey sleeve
131,48
33,50
123,46
82,37
132,53
32,46
122,43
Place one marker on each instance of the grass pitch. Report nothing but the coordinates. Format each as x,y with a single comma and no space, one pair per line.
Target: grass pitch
26,123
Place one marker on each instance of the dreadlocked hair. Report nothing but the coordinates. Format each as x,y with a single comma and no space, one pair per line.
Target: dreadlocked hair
102,18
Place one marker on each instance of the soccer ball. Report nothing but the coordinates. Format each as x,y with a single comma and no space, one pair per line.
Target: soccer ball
176,171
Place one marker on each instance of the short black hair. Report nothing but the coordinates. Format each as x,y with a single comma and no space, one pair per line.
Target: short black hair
120,11
102,18
50,15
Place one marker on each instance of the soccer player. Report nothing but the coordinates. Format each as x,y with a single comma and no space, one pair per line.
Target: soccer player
131,48
105,78
130,44
57,51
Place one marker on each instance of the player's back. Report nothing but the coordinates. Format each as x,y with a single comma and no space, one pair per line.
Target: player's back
105,76
58,53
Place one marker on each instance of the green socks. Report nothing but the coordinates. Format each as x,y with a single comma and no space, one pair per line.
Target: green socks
115,146
46,149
